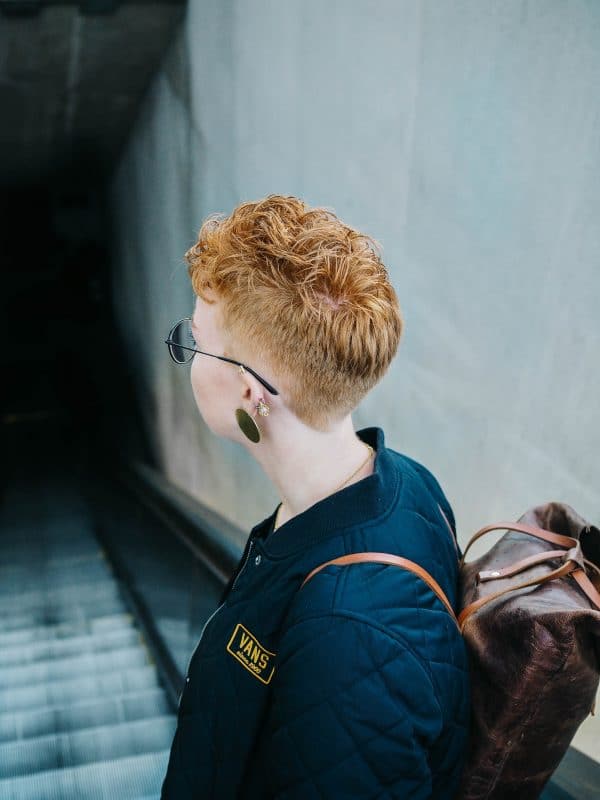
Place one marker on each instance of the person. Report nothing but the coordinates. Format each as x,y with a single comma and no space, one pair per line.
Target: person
354,685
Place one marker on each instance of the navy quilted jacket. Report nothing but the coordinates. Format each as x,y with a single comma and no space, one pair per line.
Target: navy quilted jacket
355,686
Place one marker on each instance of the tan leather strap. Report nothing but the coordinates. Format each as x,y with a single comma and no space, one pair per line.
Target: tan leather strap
388,558
574,554
539,533
575,563
587,586
564,569
573,558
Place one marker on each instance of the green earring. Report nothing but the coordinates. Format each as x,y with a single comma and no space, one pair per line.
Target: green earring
247,425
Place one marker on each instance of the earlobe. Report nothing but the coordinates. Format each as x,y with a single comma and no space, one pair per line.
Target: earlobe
245,422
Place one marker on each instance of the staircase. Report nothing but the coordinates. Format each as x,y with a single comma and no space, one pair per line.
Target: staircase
82,714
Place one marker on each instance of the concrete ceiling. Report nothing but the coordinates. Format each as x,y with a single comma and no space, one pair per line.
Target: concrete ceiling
71,79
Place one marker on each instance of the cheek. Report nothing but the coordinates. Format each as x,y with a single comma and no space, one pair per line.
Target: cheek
210,385
198,379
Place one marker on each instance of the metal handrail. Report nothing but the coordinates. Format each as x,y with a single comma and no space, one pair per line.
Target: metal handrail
210,537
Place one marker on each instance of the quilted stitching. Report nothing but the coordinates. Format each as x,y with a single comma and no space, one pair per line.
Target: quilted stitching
344,686
291,724
387,717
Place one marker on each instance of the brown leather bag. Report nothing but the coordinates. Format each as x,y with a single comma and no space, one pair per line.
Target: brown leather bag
533,643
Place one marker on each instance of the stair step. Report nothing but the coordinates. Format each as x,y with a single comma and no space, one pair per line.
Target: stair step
31,547
42,577
35,652
119,779
74,690
56,751
59,595
53,614
14,586
71,535
34,566
76,666
64,630
32,723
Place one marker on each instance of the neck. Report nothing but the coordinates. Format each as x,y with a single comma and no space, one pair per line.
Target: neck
307,465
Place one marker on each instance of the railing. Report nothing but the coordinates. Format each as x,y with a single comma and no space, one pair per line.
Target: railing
172,557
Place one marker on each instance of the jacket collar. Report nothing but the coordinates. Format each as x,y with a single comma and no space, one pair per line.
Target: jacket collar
353,505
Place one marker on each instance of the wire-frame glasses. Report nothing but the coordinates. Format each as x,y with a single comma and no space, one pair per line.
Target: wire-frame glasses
182,347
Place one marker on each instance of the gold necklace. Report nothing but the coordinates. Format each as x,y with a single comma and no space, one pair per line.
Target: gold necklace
371,451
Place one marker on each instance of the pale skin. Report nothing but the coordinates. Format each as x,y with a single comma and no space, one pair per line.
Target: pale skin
305,465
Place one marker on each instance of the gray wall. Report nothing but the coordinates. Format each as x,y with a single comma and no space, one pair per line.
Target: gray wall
463,136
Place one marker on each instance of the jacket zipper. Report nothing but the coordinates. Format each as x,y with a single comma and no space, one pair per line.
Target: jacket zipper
243,565
215,612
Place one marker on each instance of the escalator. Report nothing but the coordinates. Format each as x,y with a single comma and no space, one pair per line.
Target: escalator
82,711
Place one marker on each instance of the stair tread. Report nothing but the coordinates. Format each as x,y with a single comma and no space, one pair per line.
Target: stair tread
90,663
40,577
125,778
90,713
24,654
87,745
56,614
33,565
63,630
57,595
56,693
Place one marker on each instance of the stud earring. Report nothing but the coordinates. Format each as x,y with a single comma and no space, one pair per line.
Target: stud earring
262,408
246,423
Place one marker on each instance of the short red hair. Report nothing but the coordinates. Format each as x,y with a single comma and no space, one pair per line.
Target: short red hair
306,293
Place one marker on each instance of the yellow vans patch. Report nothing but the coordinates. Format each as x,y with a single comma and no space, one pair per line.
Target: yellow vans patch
249,652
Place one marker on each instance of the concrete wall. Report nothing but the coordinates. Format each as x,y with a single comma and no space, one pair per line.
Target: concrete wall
463,136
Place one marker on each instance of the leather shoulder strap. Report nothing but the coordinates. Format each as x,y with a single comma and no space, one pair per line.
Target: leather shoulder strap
388,558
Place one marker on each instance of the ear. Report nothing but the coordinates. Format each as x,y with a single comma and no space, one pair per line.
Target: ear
251,391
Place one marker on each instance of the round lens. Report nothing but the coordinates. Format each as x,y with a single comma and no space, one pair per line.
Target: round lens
181,338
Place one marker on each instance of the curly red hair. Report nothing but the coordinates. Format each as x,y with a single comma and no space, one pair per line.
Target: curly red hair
306,293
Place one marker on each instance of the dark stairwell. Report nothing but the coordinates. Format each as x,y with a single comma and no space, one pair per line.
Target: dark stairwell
83,710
